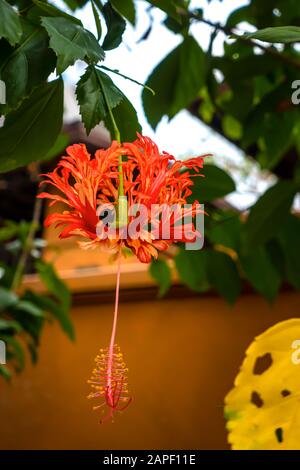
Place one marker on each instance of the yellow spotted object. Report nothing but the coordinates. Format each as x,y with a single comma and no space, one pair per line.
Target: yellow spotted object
263,408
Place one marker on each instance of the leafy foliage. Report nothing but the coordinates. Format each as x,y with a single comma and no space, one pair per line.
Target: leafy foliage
18,135
10,25
280,34
176,81
71,42
215,184
160,270
93,89
115,27
23,314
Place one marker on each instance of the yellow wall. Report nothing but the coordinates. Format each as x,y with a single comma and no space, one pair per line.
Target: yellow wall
182,355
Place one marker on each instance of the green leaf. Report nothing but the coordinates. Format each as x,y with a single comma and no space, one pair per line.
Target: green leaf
15,75
29,307
127,121
75,4
97,21
59,290
15,348
279,34
261,273
289,236
216,184
93,89
161,272
223,275
257,122
168,6
27,134
9,230
125,8
33,351
238,16
232,127
51,10
10,325
10,26
25,67
269,213
5,372
191,267
71,42
7,298
177,81
226,231
115,27
58,147
277,136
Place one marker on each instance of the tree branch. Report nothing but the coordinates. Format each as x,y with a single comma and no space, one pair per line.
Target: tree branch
30,238
285,59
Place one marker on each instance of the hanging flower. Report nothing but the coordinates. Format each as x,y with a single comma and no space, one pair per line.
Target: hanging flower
129,195
154,184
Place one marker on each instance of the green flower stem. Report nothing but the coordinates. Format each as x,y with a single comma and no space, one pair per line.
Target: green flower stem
27,247
122,208
117,137
126,78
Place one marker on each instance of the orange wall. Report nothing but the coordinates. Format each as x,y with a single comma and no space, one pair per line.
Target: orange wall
182,355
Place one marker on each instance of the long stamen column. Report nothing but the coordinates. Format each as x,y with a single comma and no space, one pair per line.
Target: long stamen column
109,378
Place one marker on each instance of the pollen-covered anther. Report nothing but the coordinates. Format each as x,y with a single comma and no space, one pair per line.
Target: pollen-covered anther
109,381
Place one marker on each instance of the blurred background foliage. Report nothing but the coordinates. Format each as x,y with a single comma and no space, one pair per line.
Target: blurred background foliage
244,95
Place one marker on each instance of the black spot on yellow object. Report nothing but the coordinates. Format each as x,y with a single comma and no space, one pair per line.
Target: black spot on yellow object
279,435
262,364
256,399
285,393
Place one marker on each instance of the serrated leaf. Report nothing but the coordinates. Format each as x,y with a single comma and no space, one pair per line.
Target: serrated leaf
263,407
115,27
25,137
71,42
93,91
161,272
10,25
127,121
